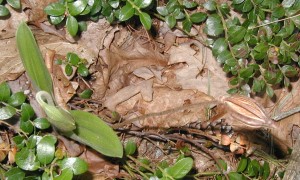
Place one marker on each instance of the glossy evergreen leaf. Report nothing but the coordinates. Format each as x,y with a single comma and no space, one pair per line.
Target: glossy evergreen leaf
4,92
241,50
266,170
162,10
289,71
14,173
77,165
32,59
7,112
45,149
16,99
73,58
178,14
219,46
181,168
77,7
86,94
258,85
198,17
236,176
27,112
210,5
41,123
187,25
72,25
96,8
55,20
83,70
68,70
114,3
236,34
224,8
66,174
32,140
237,1
223,164
82,26
145,20
142,3
95,133
269,91
246,73
26,126
242,165
287,3
214,25
126,12
26,159
278,12
171,21
55,9
189,4
224,56
14,3
245,7
172,5
130,147
4,11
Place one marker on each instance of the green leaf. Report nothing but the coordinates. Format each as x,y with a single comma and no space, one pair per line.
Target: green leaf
278,12
7,112
96,8
236,176
14,3
68,70
171,21
14,173
260,51
223,164
26,126
237,1
32,140
189,4
253,168
269,91
142,3
126,12
4,92
73,58
55,9
246,73
27,112
242,165
83,70
198,17
130,147
66,174
210,5
55,20
114,3
266,168
289,71
32,59
162,10
258,85
219,46
27,160
187,25
214,25
236,34
3,11
224,57
45,149
241,50
172,5
144,161
77,165
41,123
77,7
287,3
246,6
16,99
86,94
181,168
145,20
57,116
72,25
93,132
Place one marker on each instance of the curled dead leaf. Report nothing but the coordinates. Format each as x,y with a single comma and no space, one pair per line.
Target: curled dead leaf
225,140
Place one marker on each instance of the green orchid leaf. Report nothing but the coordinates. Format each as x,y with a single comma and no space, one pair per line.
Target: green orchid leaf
32,59
57,116
95,133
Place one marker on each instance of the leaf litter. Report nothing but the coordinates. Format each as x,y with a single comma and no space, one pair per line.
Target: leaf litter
134,79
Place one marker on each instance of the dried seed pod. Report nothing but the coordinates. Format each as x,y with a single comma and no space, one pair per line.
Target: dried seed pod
247,111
